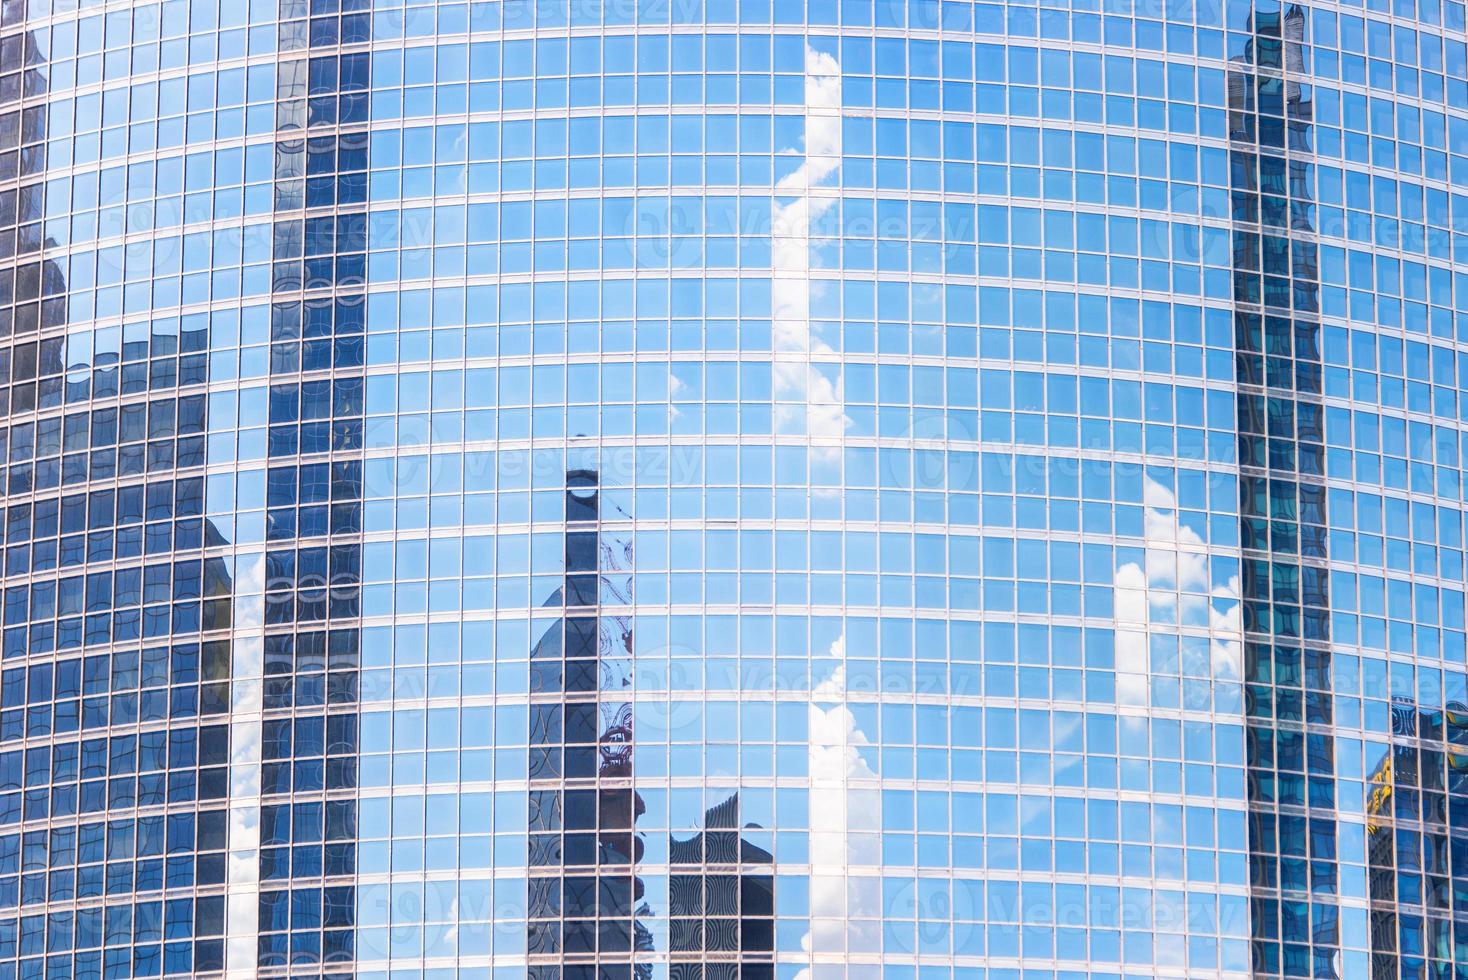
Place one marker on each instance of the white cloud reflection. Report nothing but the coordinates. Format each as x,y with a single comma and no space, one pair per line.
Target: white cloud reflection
1171,587
806,401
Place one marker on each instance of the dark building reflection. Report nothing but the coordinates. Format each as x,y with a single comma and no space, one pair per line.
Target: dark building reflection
314,493
723,911
121,659
32,283
1292,832
1416,795
588,915
584,897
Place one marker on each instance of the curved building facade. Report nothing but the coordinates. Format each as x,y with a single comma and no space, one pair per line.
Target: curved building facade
733,489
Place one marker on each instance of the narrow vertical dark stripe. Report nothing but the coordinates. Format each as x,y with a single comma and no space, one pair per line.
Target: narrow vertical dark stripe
314,496
1291,790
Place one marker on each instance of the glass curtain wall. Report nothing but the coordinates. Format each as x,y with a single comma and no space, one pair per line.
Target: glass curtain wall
715,489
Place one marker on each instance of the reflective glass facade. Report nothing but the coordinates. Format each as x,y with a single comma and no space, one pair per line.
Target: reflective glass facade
733,489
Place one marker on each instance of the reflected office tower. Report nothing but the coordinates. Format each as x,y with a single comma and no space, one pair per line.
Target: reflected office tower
720,901
1417,795
116,679
1282,494
584,844
32,281
304,916
589,911
733,489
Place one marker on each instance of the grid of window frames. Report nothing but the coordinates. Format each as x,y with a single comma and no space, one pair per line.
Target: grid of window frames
116,663
1028,448
313,492
1282,514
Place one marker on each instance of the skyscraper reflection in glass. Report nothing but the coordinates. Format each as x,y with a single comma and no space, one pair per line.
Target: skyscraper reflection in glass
733,489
